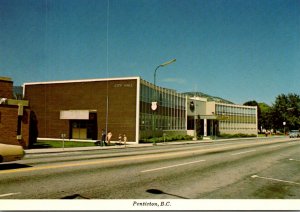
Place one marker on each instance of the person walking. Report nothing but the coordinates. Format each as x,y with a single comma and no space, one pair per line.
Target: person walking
109,135
125,140
120,139
103,137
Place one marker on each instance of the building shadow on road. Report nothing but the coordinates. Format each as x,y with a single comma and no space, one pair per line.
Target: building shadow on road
157,191
75,196
9,166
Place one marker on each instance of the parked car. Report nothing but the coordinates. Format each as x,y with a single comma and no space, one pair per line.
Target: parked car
11,152
294,134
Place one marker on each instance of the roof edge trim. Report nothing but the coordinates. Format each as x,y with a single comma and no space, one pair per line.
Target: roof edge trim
82,80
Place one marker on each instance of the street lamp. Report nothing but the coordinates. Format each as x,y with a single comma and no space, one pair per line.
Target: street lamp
162,65
154,97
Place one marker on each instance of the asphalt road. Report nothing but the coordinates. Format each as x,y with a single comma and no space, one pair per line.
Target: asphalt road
245,169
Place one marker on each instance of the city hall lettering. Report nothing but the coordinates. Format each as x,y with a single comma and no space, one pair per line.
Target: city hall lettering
128,85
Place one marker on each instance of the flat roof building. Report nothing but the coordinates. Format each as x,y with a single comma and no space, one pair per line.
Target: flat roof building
80,109
216,118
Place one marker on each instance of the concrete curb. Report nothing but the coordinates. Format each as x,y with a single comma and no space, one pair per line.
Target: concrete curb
75,149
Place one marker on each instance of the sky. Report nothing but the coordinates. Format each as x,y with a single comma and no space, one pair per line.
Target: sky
240,50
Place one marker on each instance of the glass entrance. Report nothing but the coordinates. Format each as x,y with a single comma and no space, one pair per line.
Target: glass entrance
84,129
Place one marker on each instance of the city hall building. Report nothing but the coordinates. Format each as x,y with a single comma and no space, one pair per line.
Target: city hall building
80,109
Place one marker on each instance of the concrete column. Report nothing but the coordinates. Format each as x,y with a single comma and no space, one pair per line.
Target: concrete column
205,127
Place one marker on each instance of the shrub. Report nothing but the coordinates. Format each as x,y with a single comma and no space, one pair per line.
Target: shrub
166,139
239,135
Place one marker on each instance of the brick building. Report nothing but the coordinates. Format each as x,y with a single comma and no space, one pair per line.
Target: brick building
81,108
14,116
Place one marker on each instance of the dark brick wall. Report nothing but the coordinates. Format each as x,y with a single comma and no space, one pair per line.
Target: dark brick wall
47,100
9,123
6,89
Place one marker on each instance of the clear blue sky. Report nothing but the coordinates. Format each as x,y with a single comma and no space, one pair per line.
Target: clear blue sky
239,50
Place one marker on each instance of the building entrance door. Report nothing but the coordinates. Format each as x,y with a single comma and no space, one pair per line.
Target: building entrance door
84,129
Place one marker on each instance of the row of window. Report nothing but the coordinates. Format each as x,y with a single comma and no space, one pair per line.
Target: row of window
148,122
238,119
161,110
164,97
236,126
170,113
235,110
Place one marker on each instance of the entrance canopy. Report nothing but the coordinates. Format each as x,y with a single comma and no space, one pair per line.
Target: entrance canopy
74,114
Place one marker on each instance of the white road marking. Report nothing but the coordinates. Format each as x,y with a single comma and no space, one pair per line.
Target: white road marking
243,152
274,146
102,161
9,194
167,167
294,159
268,178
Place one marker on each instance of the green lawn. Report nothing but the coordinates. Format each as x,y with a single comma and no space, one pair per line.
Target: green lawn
59,144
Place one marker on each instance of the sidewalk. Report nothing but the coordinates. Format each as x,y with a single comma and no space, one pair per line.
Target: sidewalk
74,149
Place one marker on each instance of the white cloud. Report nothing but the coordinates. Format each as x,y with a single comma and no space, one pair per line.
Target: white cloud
175,80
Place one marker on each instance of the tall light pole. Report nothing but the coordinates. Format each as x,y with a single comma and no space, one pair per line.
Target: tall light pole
154,97
162,65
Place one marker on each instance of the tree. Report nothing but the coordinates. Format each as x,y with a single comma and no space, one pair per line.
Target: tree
286,109
266,116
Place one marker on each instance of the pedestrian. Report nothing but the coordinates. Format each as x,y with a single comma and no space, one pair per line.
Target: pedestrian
103,137
109,135
125,140
120,139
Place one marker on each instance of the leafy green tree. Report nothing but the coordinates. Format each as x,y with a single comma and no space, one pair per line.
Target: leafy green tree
286,109
265,119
